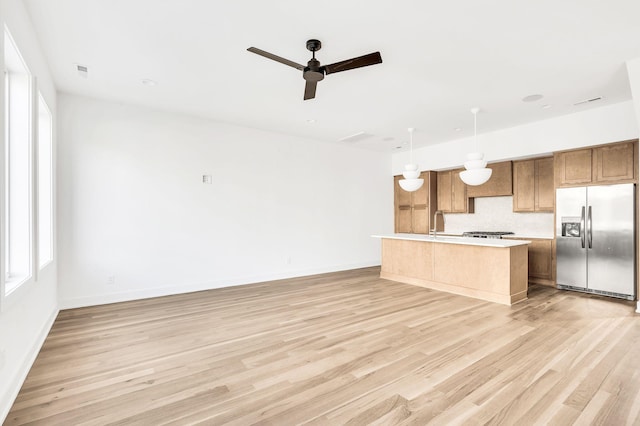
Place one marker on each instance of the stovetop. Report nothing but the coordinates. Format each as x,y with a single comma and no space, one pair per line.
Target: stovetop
486,234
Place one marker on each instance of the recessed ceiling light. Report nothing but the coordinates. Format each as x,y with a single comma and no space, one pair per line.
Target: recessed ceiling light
547,106
457,129
388,139
311,121
532,98
149,82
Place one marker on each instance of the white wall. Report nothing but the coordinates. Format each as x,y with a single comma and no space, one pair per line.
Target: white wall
633,71
132,205
27,314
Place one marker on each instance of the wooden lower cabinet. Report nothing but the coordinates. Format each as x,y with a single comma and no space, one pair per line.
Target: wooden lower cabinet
541,261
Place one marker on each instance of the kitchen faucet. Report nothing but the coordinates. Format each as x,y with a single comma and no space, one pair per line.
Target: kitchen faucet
435,222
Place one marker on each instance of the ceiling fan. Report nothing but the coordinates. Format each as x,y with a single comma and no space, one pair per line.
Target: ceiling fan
314,72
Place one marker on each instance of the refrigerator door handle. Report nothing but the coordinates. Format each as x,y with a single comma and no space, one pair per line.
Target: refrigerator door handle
582,227
589,229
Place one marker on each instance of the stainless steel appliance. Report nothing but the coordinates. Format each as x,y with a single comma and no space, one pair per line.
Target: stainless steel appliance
595,239
485,234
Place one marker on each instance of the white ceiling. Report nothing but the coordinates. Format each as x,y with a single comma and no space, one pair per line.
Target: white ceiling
439,59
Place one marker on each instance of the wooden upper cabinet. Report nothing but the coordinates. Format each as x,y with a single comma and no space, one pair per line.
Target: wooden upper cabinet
444,191
545,198
414,210
452,193
524,191
459,198
573,167
402,198
614,163
533,189
499,184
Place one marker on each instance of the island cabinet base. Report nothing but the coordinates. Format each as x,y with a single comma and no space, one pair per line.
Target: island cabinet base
496,274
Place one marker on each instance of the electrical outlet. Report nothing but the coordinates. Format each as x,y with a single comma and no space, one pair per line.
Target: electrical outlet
111,280
207,179
288,260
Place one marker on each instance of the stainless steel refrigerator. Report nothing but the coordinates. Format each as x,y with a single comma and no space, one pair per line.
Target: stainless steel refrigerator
595,239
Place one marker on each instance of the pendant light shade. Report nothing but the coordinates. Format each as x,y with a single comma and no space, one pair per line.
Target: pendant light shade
411,181
476,172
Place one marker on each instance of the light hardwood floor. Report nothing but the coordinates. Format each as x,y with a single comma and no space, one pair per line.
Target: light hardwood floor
341,348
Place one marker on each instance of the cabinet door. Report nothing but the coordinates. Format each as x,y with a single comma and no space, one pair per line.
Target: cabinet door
444,191
403,220
500,183
573,167
402,197
420,219
458,193
614,163
524,193
420,205
402,207
540,259
545,198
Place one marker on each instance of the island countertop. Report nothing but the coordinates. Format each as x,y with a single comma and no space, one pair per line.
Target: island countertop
487,242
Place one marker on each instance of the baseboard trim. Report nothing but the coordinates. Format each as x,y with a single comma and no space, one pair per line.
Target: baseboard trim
104,299
18,380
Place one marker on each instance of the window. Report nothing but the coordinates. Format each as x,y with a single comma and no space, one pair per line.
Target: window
45,184
18,168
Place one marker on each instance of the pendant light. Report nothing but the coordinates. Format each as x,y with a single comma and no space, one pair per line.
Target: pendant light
476,172
411,181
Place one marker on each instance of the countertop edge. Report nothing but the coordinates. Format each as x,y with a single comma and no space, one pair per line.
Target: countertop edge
484,242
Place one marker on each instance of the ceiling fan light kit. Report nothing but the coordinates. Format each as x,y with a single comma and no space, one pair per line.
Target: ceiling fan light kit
411,181
314,71
476,172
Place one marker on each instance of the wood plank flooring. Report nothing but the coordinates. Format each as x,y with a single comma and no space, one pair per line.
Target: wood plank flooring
341,348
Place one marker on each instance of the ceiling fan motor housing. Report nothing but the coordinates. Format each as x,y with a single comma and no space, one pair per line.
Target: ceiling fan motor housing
313,71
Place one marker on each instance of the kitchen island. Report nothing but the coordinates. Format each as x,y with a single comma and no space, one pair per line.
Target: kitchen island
488,269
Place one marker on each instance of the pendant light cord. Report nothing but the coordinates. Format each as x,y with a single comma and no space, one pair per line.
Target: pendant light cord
410,145
475,127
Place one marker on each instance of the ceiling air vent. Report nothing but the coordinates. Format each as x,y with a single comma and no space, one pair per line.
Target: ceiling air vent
356,137
83,70
586,101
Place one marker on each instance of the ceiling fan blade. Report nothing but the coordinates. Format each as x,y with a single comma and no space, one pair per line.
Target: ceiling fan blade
310,90
349,64
276,58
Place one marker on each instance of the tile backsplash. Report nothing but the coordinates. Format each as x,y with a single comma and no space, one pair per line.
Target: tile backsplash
496,214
